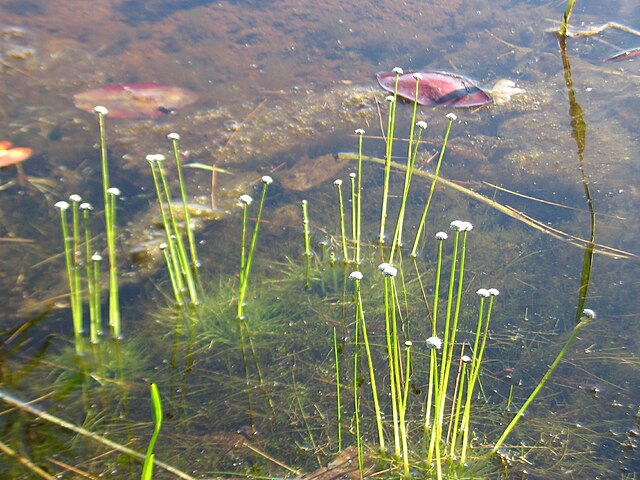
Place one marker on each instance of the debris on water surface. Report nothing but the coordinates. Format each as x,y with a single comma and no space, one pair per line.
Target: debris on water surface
440,89
503,90
624,55
10,155
146,100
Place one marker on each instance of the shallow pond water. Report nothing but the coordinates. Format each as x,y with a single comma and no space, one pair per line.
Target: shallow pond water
281,87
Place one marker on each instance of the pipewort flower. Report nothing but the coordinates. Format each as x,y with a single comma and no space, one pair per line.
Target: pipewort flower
434,343
456,225
359,131
418,76
245,199
353,276
390,271
588,314
441,236
421,124
99,109
397,70
383,266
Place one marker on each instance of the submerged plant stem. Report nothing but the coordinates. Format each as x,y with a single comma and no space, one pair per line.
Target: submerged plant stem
576,330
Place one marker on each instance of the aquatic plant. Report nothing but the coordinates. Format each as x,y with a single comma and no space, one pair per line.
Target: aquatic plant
156,410
110,225
195,263
343,235
182,273
69,256
246,262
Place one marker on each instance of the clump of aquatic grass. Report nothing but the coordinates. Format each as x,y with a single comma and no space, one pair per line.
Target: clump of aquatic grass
451,117
179,263
361,326
452,367
391,121
412,151
75,256
92,269
246,257
246,262
195,263
72,274
110,226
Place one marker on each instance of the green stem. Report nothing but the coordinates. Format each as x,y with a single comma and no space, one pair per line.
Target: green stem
576,330
345,255
423,220
195,263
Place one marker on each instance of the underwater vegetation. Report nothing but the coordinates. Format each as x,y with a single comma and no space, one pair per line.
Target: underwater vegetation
357,349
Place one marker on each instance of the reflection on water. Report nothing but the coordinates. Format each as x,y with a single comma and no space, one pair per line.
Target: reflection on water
279,82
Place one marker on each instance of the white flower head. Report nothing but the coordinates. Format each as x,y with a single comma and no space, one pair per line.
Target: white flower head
157,157
588,314
114,191
390,98
352,174
483,292
353,276
96,257
304,202
390,271
245,199
163,246
62,205
451,116
383,266
267,180
434,342
466,359
494,292
99,109
441,236
466,227
359,131
173,136
397,71
418,76
421,125
75,198
337,182
456,225
408,343
86,206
